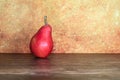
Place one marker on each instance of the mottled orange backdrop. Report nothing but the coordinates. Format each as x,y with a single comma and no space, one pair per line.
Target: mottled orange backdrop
79,26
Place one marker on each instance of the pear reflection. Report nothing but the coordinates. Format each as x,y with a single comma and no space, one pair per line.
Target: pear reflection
43,67
43,63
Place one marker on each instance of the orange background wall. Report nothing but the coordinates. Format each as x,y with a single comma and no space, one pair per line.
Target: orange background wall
79,26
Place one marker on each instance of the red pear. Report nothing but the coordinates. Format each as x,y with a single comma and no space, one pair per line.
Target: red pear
41,43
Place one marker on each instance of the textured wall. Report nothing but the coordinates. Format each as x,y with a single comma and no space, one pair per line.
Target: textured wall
79,26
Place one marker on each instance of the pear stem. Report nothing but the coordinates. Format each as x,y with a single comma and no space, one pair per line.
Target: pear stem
45,20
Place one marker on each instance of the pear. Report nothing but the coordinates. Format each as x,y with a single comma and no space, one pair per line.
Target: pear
41,43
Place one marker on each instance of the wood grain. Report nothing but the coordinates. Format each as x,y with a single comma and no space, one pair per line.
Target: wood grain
60,67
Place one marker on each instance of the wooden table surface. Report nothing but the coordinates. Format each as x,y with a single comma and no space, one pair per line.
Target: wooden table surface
60,67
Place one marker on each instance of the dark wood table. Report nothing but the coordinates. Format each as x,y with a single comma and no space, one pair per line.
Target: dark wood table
60,67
